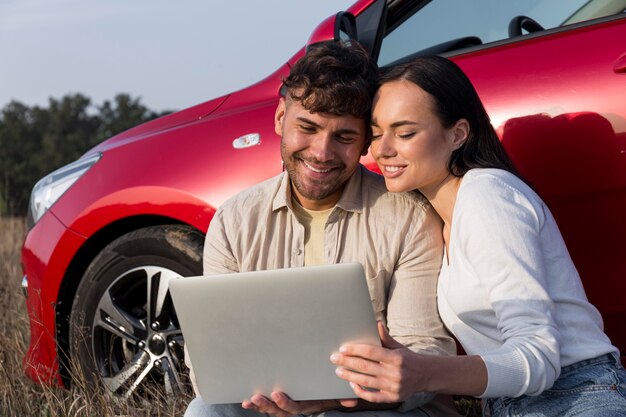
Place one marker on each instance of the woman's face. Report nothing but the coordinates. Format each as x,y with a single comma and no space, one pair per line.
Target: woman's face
409,143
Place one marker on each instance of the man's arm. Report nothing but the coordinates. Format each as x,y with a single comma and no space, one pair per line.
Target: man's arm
217,259
412,315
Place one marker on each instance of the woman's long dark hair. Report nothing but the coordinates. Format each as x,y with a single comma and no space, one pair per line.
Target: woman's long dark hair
455,98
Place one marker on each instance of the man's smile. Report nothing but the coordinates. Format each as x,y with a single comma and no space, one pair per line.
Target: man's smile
312,168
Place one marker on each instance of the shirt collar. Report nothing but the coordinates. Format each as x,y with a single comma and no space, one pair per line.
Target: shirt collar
351,199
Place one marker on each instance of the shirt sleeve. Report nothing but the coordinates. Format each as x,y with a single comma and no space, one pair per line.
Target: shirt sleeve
218,257
412,316
499,234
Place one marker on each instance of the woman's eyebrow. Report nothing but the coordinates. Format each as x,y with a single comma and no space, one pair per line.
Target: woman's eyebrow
399,123
404,123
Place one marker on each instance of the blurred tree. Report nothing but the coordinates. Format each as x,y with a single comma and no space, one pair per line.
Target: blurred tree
121,115
20,142
70,130
35,141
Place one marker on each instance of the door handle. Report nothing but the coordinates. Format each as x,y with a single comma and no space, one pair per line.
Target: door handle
246,141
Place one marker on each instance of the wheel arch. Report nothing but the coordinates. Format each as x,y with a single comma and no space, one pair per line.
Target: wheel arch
79,264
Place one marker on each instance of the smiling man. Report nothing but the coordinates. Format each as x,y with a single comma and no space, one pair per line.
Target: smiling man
327,208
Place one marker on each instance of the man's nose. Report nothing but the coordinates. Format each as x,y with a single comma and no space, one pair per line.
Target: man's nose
322,148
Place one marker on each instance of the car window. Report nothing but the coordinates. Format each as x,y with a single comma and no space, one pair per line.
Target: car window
474,22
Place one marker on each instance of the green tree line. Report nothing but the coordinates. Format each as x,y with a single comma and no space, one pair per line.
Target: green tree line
35,141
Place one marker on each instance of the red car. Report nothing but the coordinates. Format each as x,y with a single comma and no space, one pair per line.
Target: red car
108,231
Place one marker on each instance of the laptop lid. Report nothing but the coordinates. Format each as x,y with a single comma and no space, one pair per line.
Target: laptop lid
264,331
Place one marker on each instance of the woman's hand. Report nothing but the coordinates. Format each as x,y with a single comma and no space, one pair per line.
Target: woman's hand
391,373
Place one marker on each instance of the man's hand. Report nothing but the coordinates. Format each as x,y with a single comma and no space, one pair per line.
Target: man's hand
280,405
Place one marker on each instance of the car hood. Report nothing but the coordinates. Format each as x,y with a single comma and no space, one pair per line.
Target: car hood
169,121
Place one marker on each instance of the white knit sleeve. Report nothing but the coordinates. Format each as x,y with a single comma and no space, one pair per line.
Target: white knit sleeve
499,228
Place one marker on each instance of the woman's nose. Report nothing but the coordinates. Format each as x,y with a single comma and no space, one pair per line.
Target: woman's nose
383,147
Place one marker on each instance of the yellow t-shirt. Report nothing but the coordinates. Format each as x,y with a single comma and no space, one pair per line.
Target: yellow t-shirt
313,222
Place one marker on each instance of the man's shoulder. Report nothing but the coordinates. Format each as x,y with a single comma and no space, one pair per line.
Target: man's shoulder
261,194
378,195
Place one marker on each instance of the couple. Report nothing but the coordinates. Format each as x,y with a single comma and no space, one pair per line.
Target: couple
496,268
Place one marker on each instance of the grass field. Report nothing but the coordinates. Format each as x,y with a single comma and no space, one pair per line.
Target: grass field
20,397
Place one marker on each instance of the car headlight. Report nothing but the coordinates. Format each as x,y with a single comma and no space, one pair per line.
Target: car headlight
48,189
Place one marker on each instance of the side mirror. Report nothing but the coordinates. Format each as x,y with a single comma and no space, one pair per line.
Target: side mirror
339,27
369,30
345,27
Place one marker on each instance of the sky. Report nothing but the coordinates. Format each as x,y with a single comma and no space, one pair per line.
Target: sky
171,54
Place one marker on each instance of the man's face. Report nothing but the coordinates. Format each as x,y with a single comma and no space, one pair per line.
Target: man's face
320,151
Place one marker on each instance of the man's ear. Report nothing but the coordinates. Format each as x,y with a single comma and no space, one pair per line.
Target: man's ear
279,117
368,139
366,145
459,132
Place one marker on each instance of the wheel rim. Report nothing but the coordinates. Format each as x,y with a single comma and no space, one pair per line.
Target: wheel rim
137,343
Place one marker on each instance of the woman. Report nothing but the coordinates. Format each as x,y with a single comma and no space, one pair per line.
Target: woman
507,290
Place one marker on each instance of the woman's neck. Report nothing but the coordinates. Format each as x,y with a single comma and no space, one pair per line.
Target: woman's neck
443,197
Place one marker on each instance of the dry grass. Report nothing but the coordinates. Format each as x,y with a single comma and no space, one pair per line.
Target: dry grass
19,396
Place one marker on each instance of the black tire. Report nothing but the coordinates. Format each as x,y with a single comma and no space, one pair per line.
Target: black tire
123,328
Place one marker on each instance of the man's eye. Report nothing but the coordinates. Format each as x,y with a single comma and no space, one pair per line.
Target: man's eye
345,139
307,129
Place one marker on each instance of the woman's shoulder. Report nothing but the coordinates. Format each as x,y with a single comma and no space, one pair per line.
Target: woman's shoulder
489,193
495,182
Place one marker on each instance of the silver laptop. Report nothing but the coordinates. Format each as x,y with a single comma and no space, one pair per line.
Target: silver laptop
264,331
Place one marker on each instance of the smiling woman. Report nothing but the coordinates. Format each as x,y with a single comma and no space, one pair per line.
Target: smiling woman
421,147
508,289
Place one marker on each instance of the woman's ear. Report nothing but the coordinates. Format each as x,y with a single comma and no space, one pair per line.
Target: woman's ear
459,132
279,117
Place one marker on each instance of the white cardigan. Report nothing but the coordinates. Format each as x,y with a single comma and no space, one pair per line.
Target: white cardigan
510,292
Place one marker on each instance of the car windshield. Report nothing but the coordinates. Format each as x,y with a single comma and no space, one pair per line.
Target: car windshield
484,21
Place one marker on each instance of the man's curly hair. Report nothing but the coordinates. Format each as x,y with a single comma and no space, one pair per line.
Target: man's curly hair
339,78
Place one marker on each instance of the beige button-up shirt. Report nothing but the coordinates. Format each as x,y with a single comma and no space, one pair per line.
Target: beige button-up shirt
397,237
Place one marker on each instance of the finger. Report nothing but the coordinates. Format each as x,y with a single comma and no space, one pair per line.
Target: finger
264,405
361,379
369,352
349,402
357,364
387,341
285,403
372,396
248,405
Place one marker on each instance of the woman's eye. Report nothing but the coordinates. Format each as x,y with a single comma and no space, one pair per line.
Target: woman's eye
376,136
406,135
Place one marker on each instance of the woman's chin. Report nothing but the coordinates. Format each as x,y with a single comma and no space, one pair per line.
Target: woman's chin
394,187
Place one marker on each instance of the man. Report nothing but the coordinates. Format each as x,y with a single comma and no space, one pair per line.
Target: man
326,208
